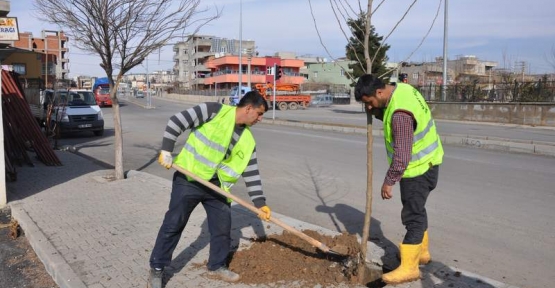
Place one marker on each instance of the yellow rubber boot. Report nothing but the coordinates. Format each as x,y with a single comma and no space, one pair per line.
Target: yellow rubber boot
408,270
425,256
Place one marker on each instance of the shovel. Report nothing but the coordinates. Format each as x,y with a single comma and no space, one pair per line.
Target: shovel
255,210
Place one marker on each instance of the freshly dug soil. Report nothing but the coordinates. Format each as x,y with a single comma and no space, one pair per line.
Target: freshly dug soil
287,258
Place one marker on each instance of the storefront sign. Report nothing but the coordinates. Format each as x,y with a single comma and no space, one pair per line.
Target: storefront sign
8,29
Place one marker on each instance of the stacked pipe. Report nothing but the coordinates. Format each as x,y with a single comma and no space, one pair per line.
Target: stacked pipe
21,130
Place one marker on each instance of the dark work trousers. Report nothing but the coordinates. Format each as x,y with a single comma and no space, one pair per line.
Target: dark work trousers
185,196
414,193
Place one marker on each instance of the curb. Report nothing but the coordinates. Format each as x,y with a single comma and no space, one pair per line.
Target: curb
54,263
491,143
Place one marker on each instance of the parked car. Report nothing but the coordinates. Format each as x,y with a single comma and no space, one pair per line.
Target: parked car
140,94
322,100
72,110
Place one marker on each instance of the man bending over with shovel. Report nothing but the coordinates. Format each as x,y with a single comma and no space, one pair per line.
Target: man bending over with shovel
220,149
414,152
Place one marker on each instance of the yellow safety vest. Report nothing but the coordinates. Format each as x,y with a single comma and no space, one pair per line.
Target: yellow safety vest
205,149
427,150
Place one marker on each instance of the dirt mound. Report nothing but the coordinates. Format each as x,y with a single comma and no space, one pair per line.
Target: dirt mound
286,258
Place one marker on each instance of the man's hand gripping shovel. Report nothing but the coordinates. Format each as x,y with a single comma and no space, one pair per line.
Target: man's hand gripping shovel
338,251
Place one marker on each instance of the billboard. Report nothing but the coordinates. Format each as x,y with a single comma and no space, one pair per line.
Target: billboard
8,29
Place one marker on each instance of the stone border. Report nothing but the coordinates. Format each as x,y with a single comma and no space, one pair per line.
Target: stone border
509,145
53,261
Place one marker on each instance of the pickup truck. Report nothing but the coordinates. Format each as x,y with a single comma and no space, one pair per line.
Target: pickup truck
72,110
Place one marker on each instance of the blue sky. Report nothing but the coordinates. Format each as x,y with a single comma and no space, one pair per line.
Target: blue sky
506,31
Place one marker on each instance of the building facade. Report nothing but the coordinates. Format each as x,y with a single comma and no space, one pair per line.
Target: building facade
462,69
334,72
53,45
190,57
224,71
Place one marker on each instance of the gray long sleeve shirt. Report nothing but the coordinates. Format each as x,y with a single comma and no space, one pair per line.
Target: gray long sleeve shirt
200,114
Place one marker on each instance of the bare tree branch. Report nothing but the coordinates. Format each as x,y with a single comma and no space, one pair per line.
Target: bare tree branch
393,29
421,41
123,33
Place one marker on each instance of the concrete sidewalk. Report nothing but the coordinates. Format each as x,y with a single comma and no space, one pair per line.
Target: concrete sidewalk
92,232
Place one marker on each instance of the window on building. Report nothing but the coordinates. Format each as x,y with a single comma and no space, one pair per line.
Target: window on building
415,76
19,68
342,72
269,70
316,74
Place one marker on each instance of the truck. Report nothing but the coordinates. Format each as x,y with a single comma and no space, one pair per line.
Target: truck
101,90
288,96
234,97
69,110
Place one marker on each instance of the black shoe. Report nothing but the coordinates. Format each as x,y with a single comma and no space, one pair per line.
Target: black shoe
155,278
225,274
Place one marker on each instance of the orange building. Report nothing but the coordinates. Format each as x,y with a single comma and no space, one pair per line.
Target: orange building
53,44
225,71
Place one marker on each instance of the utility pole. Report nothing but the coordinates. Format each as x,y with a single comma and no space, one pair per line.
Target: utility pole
239,94
274,102
444,84
147,85
249,58
521,68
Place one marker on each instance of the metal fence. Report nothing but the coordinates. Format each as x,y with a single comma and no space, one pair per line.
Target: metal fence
515,91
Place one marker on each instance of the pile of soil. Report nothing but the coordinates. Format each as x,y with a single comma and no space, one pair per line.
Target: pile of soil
287,258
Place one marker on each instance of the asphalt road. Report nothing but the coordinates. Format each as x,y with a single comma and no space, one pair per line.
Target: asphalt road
490,213
353,115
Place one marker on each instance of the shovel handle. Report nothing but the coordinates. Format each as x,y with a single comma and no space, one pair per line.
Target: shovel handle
253,209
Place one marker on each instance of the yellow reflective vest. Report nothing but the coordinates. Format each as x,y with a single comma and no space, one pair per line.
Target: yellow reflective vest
427,150
205,149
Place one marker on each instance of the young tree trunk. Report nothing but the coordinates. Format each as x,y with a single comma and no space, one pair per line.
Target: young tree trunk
118,143
369,162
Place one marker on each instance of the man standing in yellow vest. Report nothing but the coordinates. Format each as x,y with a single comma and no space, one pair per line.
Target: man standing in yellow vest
220,149
414,153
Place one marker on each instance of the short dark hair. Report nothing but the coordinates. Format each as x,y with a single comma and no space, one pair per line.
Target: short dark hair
367,85
253,98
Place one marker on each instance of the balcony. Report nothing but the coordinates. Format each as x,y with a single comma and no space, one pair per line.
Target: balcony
233,77
197,55
201,68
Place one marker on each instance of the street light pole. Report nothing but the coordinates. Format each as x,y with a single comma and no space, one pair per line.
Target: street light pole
147,85
444,84
249,58
239,94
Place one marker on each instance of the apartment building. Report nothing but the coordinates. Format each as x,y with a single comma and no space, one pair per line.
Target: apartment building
53,44
461,69
319,70
191,55
255,70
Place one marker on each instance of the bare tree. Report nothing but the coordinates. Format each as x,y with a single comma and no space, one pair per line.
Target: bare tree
123,33
344,11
